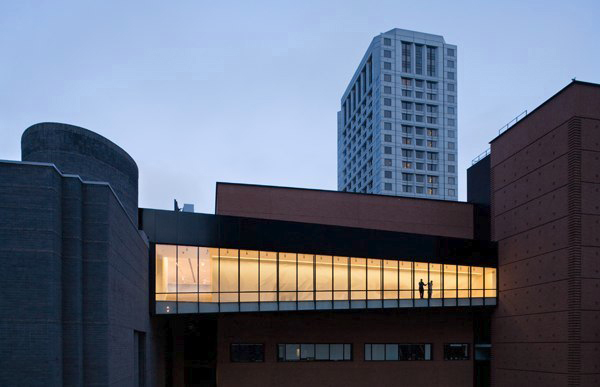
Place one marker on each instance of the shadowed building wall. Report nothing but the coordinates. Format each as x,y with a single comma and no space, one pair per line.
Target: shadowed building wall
74,305
546,219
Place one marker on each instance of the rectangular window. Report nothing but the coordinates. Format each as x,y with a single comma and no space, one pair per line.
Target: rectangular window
432,132
450,145
451,99
419,94
397,352
406,164
406,129
450,75
387,41
456,351
406,105
451,169
247,353
419,83
420,178
432,179
451,110
432,85
248,275
387,137
388,186
450,64
407,177
432,167
451,180
387,102
407,117
451,134
387,150
228,282
450,52
387,125
420,131
407,152
431,61
451,122
432,191
420,166
406,93
420,190
432,155
419,142
387,54
432,109
431,144
387,77
432,97
451,87
420,154
432,120
387,113
419,118
451,157
406,57
387,174
387,66
406,140
419,107
418,59
406,188
387,89
387,162
231,277
451,192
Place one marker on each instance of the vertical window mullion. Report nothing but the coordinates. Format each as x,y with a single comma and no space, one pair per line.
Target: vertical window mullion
349,283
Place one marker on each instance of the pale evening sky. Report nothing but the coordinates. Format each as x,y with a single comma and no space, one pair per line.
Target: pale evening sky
199,92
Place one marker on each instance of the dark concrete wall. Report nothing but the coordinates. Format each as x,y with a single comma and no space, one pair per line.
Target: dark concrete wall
479,183
546,219
74,278
78,151
397,326
420,216
31,349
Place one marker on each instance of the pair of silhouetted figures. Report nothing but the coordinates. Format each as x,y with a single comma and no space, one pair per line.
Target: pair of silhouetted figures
422,288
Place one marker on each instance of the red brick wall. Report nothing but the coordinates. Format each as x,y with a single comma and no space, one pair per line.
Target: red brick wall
394,326
422,216
546,219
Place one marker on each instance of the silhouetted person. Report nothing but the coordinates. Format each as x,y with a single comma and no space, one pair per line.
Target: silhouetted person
429,289
421,287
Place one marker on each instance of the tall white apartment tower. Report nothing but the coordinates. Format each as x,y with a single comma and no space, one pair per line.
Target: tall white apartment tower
397,126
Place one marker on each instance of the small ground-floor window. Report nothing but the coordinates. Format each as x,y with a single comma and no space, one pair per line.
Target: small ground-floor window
247,353
456,351
314,352
397,352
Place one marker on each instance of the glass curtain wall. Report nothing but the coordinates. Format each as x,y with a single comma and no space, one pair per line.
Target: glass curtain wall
194,279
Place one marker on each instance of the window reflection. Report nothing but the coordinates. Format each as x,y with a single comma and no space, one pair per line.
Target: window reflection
287,277
324,277
449,281
340,278
186,275
358,278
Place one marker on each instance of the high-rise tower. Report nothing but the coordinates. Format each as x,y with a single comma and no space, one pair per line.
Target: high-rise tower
397,126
